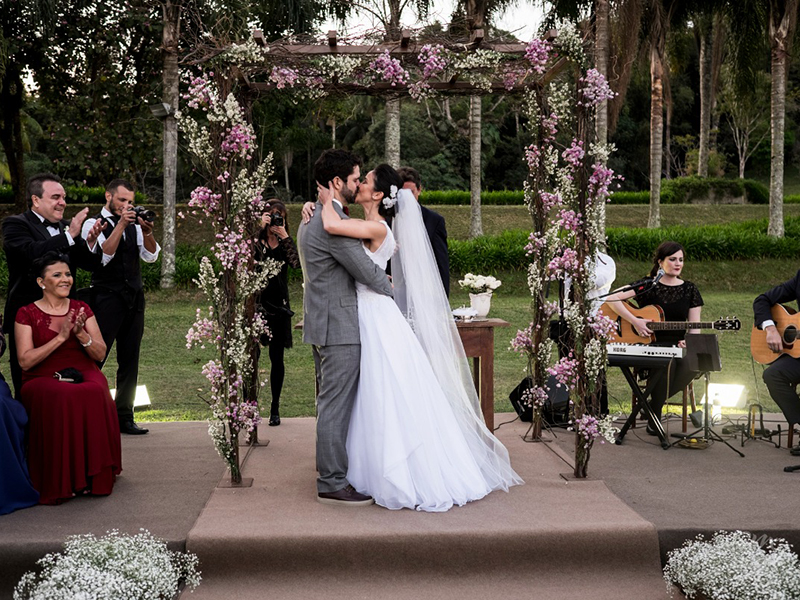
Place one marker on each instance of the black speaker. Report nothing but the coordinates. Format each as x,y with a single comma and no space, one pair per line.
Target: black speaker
556,407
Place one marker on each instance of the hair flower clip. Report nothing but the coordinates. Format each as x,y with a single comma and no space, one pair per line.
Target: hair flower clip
390,200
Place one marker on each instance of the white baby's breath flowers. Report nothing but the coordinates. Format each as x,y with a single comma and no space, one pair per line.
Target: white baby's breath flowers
111,567
478,284
733,565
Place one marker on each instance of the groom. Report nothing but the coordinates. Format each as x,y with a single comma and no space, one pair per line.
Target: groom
331,266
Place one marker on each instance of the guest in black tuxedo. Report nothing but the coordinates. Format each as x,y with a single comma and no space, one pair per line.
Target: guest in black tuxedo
29,236
434,225
117,294
783,375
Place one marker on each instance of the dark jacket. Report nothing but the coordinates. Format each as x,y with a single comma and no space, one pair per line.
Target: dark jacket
788,291
26,238
437,232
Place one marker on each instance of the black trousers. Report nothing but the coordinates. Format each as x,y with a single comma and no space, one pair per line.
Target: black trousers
122,323
782,378
678,375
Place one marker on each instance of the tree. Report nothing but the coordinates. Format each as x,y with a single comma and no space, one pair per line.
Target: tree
746,116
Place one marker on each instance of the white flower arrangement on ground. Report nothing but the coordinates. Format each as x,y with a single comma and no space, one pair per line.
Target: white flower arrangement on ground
734,566
111,567
478,284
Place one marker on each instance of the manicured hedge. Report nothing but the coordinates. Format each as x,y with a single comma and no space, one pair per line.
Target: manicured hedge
81,194
737,241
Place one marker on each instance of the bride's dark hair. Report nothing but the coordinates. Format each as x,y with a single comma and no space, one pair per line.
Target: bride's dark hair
383,178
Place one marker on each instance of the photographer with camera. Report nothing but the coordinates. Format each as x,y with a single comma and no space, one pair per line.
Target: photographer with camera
274,242
117,295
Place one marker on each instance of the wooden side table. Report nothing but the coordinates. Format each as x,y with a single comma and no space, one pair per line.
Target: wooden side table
478,340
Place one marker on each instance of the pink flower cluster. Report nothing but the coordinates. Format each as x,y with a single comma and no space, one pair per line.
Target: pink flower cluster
532,156
535,397
511,75
587,428
238,139
603,327
243,416
389,69
595,89
431,59
600,181
565,371
283,77
549,200
260,327
574,154
564,265
199,93
569,220
523,342
204,199
536,242
549,128
232,248
202,330
215,375
538,53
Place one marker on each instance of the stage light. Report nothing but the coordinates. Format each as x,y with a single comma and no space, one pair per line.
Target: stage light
142,397
726,395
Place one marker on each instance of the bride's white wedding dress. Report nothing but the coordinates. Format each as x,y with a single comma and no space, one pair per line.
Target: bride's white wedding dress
407,446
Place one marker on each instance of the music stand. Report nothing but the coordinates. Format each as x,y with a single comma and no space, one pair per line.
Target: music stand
702,355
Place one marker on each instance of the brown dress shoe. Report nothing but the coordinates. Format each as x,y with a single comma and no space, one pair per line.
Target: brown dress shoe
347,496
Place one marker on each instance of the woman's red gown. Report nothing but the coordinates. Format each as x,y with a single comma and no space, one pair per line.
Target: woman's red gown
74,439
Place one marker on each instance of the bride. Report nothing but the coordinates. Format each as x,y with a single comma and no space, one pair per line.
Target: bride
417,437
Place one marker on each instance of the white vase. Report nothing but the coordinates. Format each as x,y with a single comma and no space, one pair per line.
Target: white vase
481,303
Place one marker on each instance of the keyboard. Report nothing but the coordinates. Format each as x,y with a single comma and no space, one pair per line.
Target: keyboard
617,349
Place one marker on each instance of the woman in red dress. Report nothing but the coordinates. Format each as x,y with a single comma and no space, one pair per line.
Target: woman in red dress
74,440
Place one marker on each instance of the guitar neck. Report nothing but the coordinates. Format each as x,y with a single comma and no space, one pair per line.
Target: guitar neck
679,325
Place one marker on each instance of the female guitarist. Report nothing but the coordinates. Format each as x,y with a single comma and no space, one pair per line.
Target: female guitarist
680,300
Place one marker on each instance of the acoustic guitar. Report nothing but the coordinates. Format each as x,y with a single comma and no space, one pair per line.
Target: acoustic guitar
787,321
626,334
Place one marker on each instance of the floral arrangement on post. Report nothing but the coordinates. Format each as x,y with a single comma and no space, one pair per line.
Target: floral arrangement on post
479,284
222,144
566,191
114,566
734,566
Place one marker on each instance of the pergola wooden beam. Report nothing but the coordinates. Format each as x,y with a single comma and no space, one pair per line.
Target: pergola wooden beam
455,87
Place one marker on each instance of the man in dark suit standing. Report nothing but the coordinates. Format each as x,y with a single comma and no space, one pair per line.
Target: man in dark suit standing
117,293
28,236
783,375
434,225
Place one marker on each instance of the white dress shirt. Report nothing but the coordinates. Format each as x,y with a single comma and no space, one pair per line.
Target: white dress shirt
144,253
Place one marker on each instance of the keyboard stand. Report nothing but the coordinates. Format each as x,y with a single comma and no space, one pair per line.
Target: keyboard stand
626,364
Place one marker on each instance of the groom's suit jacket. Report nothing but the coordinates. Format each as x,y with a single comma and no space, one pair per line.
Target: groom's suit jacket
331,265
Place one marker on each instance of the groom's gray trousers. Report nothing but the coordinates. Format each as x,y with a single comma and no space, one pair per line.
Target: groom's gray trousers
337,369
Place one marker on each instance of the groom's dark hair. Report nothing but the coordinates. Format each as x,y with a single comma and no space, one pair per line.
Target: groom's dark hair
335,163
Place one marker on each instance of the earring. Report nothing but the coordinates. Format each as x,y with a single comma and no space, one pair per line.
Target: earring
41,286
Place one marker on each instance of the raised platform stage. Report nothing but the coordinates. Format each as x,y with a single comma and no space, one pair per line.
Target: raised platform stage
550,538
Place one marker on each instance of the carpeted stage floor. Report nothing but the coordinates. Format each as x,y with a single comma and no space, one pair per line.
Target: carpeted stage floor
550,538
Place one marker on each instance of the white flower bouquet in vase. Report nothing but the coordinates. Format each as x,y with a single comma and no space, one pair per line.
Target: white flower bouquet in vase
480,291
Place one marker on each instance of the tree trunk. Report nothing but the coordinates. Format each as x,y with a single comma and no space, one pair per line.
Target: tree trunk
475,224
706,54
287,162
11,99
333,134
392,152
171,10
656,133
601,46
783,18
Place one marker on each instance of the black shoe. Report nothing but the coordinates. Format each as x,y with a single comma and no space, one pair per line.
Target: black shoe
345,497
274,420
132,428
651,430
795,451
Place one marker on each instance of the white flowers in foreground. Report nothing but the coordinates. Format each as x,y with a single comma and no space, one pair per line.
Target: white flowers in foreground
733,566
478,284
112,567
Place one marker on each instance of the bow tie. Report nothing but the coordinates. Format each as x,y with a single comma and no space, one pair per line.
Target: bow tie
56,224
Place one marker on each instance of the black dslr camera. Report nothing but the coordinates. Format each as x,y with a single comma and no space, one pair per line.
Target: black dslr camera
276,220
144,214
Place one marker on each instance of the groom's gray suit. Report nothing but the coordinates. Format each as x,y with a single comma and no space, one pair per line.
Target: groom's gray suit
331,264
